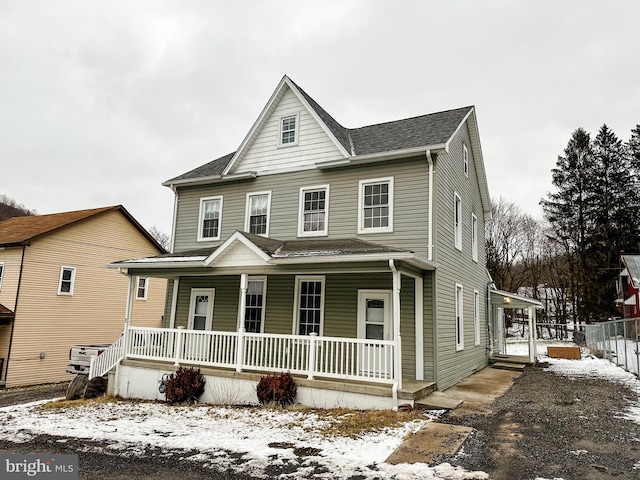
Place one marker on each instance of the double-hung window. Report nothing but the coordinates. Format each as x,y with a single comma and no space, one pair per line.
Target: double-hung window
476,317
141,288
257,213
465,160
289,130
255,305
459,318
309,308
474,238
210,219
1,273
67,279
313,218
375,205
457,221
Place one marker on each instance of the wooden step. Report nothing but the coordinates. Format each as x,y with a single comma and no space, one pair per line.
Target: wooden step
437,401
516,367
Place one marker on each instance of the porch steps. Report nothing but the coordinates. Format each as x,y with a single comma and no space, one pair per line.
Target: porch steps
516,367
415,389
437,401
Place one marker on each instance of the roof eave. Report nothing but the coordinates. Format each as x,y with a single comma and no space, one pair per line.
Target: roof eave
209,179
380,156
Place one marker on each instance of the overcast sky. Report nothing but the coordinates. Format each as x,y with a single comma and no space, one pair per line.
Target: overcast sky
103,101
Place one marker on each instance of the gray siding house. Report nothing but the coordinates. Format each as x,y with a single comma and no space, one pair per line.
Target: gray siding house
352,258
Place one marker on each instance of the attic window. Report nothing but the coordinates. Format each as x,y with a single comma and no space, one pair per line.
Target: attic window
465,160
289,130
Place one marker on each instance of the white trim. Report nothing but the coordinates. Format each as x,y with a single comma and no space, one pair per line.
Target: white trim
419,326
201,219
237,236
459,316
1,273
145,288
474,238
247,212
319,233
296,130
72,280
296,301
263,279
192,306
361,312
457,221
174,303
465,159
476,317
361,206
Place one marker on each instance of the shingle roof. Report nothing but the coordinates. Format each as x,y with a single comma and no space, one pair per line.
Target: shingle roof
5,312
20,230
632,262
422,131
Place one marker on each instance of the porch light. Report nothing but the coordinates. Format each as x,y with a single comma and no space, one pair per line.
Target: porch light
506,300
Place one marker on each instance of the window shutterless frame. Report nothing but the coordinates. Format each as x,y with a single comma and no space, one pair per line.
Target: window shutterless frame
459,317
457,221
465,160
67,280
476,317
308,308
210,219
313,211
142,285
288,131
474,238
375,205
257,216
1,273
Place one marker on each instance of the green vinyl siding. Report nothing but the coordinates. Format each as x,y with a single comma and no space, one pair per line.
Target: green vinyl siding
410,204
455,266
408,327
225,301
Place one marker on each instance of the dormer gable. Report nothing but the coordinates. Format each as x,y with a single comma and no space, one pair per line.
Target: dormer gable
291,133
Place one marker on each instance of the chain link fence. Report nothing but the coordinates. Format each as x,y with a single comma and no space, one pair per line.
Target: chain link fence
618,341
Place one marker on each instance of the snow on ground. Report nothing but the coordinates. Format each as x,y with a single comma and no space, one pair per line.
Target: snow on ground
212,434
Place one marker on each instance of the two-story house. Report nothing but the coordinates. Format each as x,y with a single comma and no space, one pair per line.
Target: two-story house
340,255
56,289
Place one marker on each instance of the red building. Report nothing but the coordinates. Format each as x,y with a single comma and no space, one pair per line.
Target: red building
629,286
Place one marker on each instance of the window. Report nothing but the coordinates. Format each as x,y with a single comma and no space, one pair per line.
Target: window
476,317
141,288
1,273
459,319
257,214
474,238
375,206
254,308
314,208
210,218
457,221
289,130
309,305
465,160
67,277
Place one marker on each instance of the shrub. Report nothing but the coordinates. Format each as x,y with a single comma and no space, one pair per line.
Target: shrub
184,386
279,389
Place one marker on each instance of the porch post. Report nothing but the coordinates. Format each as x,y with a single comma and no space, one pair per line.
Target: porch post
532,334
240,349
397,341
243,300
311,367
419,322
125,332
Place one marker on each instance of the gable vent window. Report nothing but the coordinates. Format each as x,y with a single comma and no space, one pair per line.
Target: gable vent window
289,130
465,160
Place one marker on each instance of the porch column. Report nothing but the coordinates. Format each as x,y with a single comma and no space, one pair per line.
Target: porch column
396,324
125,331
243,300
419,323
532,334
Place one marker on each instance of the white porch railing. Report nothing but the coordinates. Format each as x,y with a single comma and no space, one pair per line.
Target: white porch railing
107,359
312,355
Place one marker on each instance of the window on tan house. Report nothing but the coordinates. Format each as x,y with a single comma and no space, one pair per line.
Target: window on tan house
67,279
141,288
1,273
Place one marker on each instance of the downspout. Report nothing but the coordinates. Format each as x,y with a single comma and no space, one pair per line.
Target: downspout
430,209
15,310
175,217
396,324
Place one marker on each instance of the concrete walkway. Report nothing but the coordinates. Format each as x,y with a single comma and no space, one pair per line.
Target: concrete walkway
471,396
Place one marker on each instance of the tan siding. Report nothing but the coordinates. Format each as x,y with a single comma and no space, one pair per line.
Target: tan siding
50,323
457,266
11,257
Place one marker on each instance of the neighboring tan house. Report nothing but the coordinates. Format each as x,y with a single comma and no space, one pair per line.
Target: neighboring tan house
629,286
352,258
56,289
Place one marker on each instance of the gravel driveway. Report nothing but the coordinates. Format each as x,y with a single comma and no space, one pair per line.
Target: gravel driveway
546,426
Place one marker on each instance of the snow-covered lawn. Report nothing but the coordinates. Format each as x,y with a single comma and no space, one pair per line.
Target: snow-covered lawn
264,436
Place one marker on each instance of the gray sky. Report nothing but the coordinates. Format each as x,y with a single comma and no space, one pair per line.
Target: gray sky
103,101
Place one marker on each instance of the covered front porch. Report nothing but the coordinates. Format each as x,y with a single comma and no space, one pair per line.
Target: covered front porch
353,318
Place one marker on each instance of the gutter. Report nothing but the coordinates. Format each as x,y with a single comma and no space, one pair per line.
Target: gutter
15,310
209,179
379,157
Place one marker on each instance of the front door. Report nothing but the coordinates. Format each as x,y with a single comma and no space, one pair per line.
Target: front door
374,323
201,309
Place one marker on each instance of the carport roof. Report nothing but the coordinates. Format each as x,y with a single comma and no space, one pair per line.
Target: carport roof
500,298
